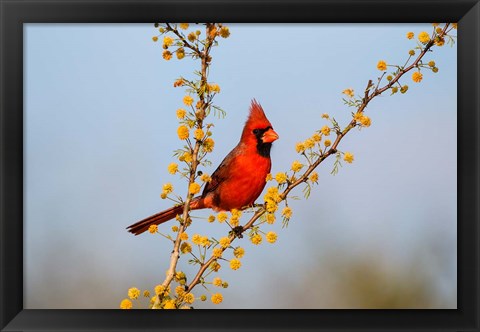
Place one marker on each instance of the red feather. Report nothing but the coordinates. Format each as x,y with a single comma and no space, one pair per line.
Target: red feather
238,180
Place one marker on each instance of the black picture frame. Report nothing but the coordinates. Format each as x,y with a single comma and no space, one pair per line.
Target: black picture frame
15,13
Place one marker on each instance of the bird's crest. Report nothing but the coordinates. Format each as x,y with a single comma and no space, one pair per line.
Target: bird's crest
257,117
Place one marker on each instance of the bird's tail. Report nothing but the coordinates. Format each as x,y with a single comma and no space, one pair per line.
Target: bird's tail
161,217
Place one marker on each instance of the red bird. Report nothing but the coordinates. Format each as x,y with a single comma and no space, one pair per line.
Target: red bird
239,179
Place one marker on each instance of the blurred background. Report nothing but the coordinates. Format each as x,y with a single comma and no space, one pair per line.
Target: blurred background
100,130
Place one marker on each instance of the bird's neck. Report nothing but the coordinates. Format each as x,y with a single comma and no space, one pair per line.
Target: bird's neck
263,149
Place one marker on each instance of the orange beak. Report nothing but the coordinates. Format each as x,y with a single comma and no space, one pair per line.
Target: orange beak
269,136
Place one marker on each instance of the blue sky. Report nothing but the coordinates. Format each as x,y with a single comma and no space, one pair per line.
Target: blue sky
100,129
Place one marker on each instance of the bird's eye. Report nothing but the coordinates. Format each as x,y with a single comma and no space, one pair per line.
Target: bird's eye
256,131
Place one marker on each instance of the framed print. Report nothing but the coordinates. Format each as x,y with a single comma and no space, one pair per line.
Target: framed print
305,165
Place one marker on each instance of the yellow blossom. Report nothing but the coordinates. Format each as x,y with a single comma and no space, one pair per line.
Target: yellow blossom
168,41
349,92
187,100
325,130
299,147
159,289
183,132
224,32
194,188
417,77
327,142
348,157
423,37
309,143
183,236
167,55
454,25
208,144
169,304
211,218
155,38
183,26
394,89
126,304
172,168
435,69
217,252
204,241
180,53
189,298
287,212
235,264
365,121
281,177
205,177
146,293
179,290
185,247
153,229
404,89
411,52
222,216
196,239
214,88
268,177
133,293
389,77
271,206
270,218
181,113
167,188
314,177
224,242
431,63
296,166
325,116
382,65
410,35
256,239
217,282
271,237
198,134
174,228
215,266
439,41
438,30
192,36
239,252
217,298
203,297
316,137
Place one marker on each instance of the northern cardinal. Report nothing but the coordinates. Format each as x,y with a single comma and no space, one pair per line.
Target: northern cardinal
239,179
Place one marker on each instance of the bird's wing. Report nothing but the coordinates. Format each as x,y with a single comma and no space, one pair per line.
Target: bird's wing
222,173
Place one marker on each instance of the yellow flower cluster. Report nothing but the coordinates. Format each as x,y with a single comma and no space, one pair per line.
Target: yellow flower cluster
200,240
214,88
424,37
133,293
188,298
272,197
235,264
224,32
185,248
194,188
382,65
281,177
417,77
221,217
169,304
224,242
211,218
327,143
168,41
235,218
349,92
183,236
217,252
172,168
314,177
180,53
167,188
297,166
410,35
325,130
183,132
153,229
239,252
208,144
167,55
187,100
256,239
217,298
348,157
126,304
270,218
287,212
198,134
271,237
205,178
217,282
183,26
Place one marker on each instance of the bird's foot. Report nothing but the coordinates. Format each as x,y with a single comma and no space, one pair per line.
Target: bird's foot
237,231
